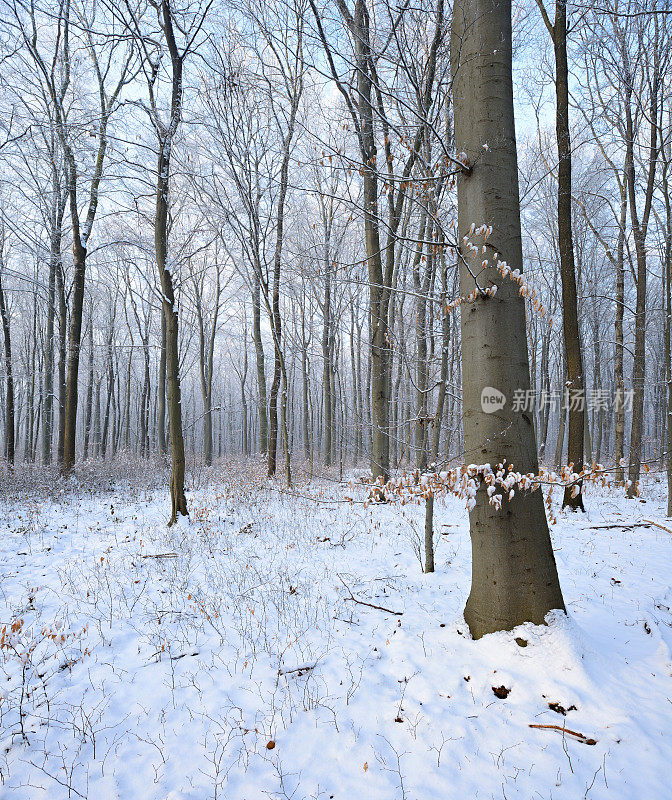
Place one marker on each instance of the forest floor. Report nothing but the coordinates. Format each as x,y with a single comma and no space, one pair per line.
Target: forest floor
232,656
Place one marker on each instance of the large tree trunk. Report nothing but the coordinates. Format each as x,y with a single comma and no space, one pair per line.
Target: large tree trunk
127,403
245,437
360,398
668,355
619,396
545,411
638,365
598,422
74,342
89,394
276,323
96,419
207,429
110,394
205,365
80,237
144,399
398,443
305,387
666,152
31,351
429,533
355,383
170,313
445,351
327,379
261,368
62,360
177,497
570,314
9,406
422,370
48,417
279,370
514,577
639,230
378,317
275,385
161,389
116,409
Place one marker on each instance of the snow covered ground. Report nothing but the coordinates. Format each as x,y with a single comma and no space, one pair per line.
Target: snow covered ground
228,658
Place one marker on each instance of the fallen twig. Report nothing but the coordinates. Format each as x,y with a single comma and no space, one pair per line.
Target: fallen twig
159,555
303,668
657,524
620,526
369,605
372,605
183,655
566,731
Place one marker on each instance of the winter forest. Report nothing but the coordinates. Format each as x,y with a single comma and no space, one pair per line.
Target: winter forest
335,399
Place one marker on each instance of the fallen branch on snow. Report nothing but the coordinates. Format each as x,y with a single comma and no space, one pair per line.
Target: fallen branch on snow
620,526
303,668
657,524
579,736
159,555
369,605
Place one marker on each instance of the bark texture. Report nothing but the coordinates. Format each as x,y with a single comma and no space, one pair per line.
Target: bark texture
9,398
570,312
167,134
514,576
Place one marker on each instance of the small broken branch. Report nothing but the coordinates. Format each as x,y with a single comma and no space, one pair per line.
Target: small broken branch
621,526
369,605
159,555
657,524
303,668
566,732
183,655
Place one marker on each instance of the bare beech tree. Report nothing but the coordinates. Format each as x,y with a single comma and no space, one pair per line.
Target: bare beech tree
207,333
366,97
293,177
514,577
188,26
104,54
9,364
570,313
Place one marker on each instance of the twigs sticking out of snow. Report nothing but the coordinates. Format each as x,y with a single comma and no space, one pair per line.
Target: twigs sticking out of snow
30,655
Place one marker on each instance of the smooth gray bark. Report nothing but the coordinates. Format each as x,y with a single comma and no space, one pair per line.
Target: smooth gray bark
514,577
